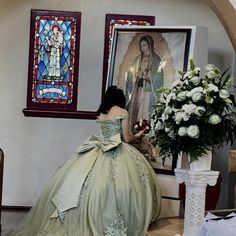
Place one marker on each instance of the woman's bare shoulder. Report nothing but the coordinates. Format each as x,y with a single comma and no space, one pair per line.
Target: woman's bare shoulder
116,111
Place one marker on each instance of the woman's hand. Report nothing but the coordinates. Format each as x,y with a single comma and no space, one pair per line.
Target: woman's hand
140,133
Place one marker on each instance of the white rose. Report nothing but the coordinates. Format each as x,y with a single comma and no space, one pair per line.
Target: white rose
189,108
189,94
197,89
193,131
186,82
181,96
197,70
186,117
163,117
195,80
224,93
188,74
163,99
196,96
175,110
167,130
214,119
200,110
170,96
182,131
177,83
178,117
173,96
204,82
213,68
208,99
210,74
168,110
159,125
212,87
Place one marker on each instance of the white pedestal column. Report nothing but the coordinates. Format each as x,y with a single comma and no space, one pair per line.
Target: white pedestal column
195,182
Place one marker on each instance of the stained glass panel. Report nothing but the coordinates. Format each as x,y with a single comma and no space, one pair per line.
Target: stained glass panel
54,48
53,60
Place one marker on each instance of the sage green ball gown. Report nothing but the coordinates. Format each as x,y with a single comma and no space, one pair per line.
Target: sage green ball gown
107,188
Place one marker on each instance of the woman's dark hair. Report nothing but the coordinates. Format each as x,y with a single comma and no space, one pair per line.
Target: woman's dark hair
112,97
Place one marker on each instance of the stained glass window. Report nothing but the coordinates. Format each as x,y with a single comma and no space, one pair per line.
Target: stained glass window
53,63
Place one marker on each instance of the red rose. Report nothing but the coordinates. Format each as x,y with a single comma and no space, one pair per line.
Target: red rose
142,124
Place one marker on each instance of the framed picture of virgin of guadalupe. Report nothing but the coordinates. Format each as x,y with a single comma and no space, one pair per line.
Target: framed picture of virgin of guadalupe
144,59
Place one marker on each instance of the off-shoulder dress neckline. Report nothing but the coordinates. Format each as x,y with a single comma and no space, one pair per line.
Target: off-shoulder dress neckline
113,119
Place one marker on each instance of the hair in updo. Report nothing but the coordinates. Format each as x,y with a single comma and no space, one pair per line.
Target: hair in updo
112,97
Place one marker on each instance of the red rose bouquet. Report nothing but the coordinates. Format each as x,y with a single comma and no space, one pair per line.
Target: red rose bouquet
142,124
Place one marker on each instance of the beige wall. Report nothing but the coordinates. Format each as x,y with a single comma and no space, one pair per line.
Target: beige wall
233,2
225,11
35,147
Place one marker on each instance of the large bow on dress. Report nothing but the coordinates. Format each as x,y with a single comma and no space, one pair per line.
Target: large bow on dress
67,196
105,144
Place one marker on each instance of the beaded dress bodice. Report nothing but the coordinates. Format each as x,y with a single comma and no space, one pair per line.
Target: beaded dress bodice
110,128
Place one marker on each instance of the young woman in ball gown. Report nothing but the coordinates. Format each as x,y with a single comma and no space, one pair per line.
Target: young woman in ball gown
107,188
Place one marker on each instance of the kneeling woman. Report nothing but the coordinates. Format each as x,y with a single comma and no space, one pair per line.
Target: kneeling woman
107,188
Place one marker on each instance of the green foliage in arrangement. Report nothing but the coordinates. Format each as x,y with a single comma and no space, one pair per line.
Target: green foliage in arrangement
196,114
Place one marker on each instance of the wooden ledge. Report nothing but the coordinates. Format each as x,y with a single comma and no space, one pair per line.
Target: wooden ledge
88,115
232,161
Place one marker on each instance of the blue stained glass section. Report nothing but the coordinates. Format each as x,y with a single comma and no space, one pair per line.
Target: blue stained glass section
52,91
45,34
54,55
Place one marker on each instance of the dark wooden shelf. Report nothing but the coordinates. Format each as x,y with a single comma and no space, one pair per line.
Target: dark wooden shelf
88,115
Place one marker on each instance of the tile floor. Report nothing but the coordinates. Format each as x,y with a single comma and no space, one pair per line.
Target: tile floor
164,227
10,219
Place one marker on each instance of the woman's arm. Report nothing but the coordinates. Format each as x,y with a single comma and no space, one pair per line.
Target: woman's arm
127,135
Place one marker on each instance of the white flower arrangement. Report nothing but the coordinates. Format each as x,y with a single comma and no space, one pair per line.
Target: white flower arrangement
195,114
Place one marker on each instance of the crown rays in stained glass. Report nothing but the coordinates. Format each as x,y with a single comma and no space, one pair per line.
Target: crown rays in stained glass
54,50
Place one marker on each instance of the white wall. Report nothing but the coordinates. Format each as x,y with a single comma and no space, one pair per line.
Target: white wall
233,2
35,147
